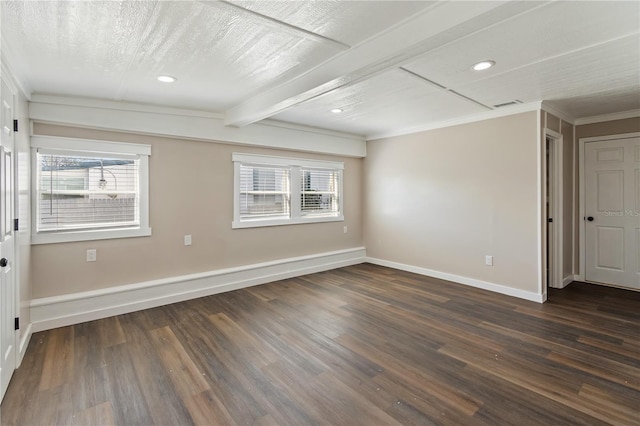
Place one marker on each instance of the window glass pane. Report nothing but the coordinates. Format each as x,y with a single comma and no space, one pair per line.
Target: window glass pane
83,192
319,192
264,192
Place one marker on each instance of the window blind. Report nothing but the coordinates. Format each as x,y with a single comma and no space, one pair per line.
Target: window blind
86,192
319,190
264,192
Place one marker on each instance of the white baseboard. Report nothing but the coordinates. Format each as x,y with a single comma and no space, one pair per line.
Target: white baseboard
60,311
568,280
24,343
522,294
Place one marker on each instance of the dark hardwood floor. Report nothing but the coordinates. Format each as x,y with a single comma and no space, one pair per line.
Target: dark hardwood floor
362,345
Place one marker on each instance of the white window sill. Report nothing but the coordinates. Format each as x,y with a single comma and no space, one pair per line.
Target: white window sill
88,235
256,223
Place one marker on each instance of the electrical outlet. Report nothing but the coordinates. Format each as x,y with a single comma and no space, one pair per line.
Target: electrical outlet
346,229
92,255
488,260
187,240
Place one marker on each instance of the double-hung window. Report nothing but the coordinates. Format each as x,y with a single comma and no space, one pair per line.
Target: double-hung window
272,191
88,190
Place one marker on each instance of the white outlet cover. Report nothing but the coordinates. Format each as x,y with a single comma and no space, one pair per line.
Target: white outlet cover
92,255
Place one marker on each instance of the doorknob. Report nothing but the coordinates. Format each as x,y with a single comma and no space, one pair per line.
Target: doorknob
590,218
4,262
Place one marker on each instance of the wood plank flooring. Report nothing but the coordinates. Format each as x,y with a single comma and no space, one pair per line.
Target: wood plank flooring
362,345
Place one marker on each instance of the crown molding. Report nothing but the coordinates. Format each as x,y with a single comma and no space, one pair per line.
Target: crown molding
561,114
8,69
608,117
496,113
119,105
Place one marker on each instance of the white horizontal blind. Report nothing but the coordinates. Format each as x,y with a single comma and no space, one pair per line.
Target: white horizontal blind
319,192
87,191
264,192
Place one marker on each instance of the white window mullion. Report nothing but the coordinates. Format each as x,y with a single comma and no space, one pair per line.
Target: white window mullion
341,192
295,193
236,192
143,193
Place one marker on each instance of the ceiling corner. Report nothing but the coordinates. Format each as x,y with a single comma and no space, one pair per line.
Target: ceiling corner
558,112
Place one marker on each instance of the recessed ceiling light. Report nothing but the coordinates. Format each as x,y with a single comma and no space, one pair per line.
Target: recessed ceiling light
483,65
166,78
336,110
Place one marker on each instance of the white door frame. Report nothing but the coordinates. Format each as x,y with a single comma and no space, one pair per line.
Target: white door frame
582,207
556,268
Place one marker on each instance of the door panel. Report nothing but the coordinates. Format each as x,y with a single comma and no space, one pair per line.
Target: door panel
612,202
610,154
610,243
610,190
7,284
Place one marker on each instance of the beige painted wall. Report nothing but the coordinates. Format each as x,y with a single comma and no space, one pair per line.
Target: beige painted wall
445,198
614,127
191,192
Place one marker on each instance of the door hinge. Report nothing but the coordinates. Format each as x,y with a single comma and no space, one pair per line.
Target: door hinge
15,125
17,323
550,220
16,226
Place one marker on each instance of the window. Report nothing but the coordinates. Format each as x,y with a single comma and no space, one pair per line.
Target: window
88,190
281,191
319,191
264,192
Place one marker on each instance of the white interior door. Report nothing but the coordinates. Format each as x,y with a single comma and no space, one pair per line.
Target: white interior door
612,212
7,284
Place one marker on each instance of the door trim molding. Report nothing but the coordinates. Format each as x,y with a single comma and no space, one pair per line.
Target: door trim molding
24,344
557,206
581,207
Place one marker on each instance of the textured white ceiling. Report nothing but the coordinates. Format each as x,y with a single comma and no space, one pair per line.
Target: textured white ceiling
566,76
584,57
348,22
546,32
382,104
114,49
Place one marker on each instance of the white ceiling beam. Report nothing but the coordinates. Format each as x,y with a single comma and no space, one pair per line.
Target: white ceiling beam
427,30
188,124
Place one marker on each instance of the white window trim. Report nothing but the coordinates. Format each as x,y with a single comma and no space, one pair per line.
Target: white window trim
74,146
295,164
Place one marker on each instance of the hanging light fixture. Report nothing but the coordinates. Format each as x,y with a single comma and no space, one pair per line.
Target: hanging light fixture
102,183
